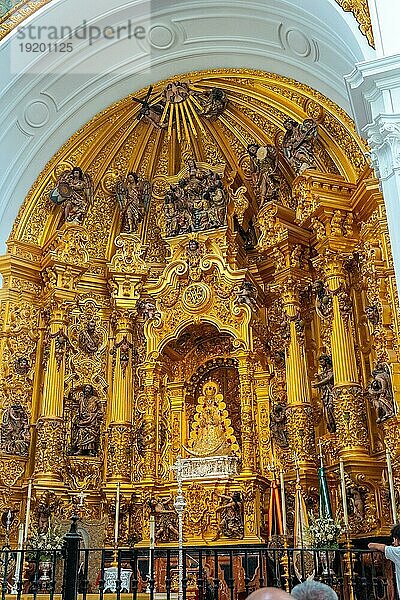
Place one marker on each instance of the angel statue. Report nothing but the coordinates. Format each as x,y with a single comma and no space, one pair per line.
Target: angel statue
381,392
263,165
133,197
74,190
150,113
298,144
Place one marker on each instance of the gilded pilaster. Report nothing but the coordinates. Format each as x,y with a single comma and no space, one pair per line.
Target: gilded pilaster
151,374
120,417
176,395
247,413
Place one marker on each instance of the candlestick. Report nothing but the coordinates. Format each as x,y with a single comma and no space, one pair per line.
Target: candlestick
21,533
391,486
152,531
344,495
117,503
28,510
283,502
321,460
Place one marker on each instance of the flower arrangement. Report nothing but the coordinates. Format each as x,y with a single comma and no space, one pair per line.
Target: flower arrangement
47,542
323,532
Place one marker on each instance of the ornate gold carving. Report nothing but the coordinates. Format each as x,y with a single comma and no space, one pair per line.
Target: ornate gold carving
50,449
360,10
350,417
119,451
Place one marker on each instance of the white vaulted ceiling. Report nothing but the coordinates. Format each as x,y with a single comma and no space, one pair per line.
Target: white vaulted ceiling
46,100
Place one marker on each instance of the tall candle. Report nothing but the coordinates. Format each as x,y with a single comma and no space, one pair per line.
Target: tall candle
28,510
152,531
344,495
283,501
17,574
117,503
391,486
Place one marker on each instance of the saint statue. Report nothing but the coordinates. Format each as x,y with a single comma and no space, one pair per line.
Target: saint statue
381,393
14,432
213,103
196,203
133,196
212,433
325,383
74,190
166,519
89,339
231,524
150,113
298,144
85,434
264,165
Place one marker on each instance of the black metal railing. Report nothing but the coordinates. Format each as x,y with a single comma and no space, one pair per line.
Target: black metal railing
209,573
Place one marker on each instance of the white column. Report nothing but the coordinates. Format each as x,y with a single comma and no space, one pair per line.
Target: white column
374,90
385,18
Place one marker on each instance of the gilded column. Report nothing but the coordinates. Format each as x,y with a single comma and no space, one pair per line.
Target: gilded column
247,414
49,427
349,402
120,415
299,409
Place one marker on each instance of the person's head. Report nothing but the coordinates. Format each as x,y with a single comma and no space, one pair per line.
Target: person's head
269,593
252,150
77,173
88,390
313,590
395,533
290,124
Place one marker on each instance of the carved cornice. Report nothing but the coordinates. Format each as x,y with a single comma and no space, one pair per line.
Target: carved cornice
384,140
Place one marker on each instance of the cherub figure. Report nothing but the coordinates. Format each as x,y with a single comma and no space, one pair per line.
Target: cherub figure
147,308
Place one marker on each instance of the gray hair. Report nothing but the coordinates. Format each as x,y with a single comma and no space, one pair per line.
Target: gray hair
313,590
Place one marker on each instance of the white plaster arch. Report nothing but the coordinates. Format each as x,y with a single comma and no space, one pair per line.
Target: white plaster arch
46,99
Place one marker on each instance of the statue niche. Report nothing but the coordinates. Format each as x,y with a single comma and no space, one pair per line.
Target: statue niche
86,422
211,433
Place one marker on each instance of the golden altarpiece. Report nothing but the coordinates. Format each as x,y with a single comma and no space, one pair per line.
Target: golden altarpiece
185,278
